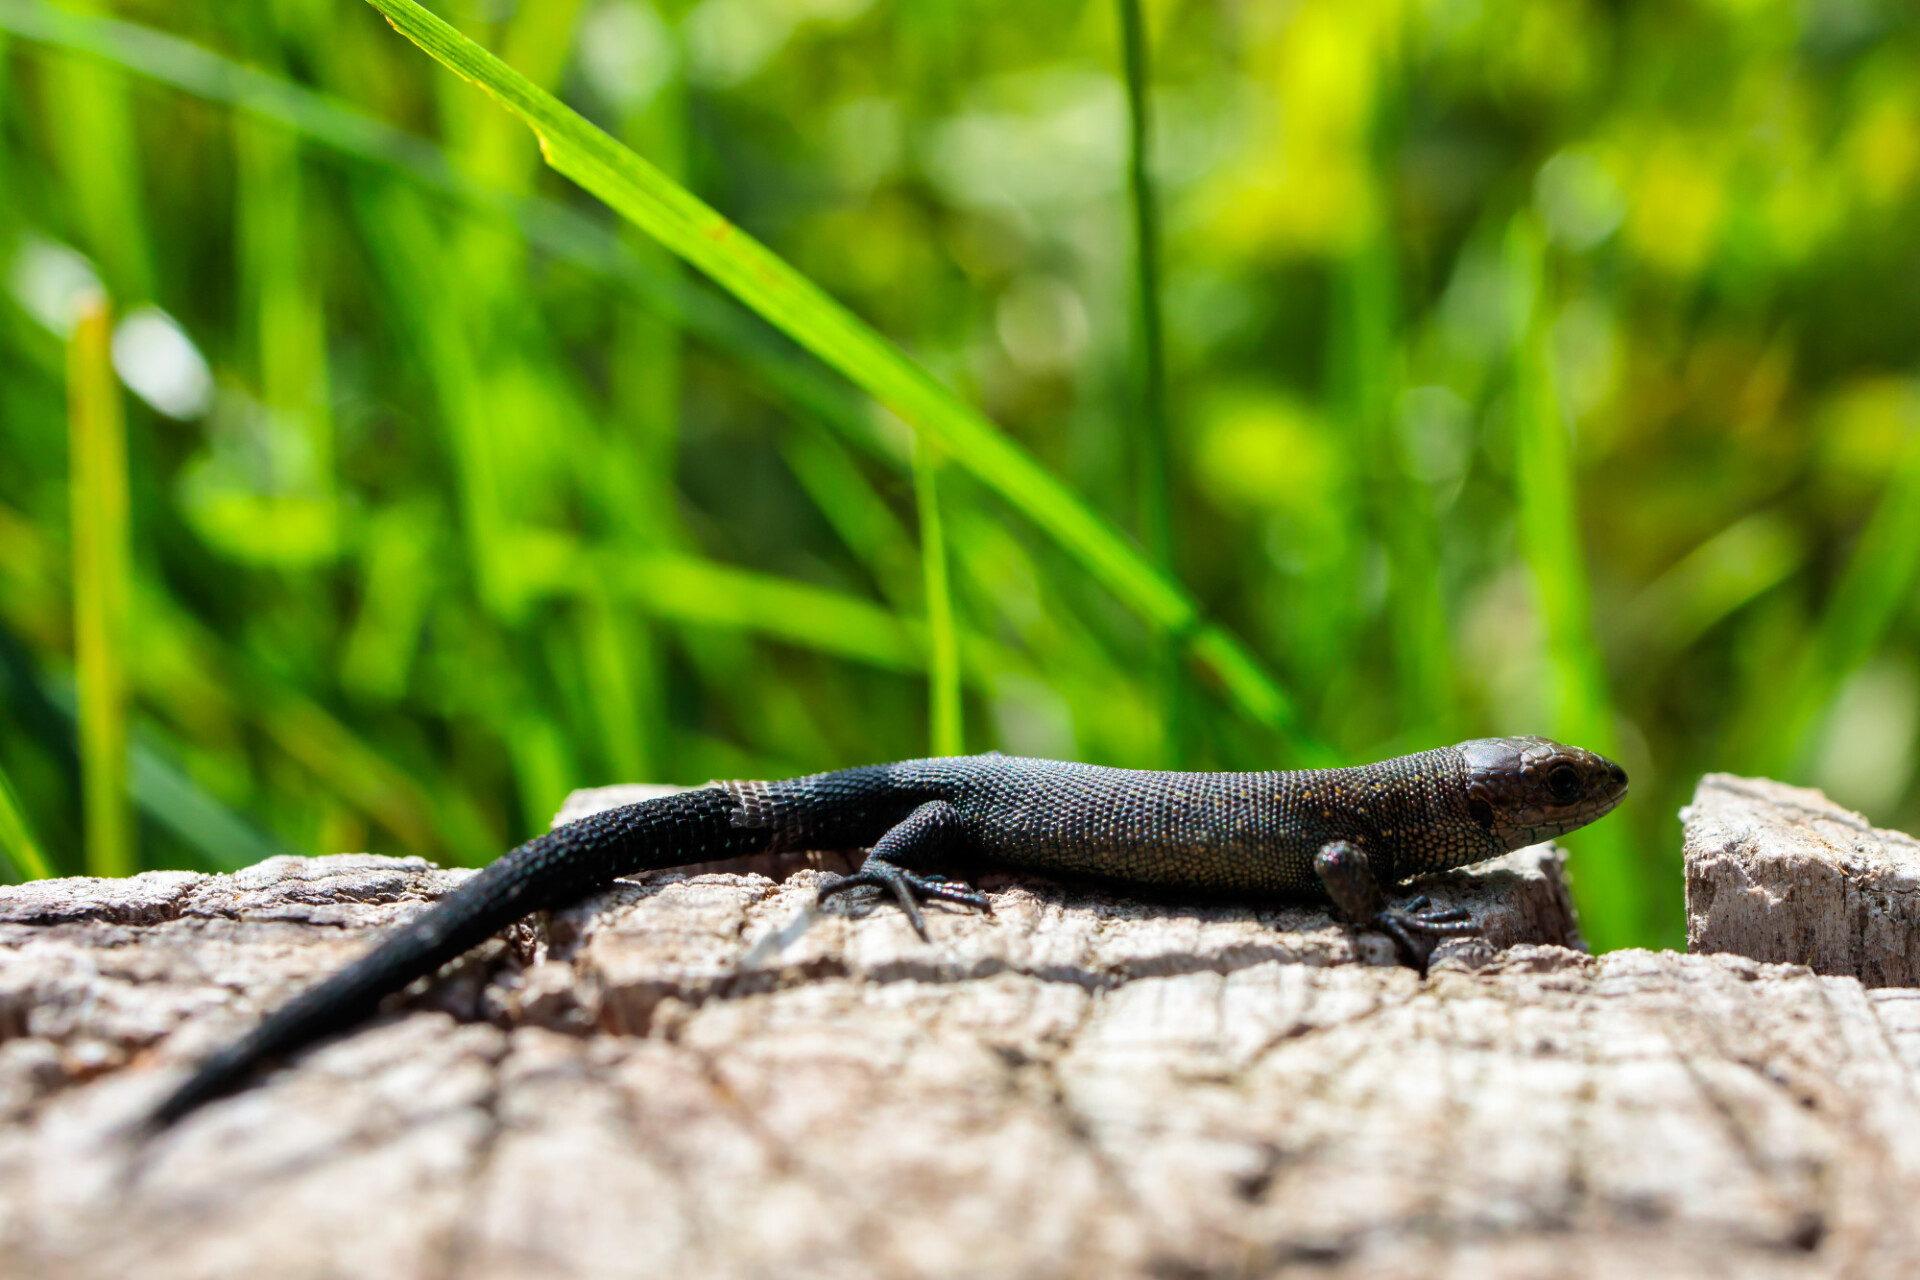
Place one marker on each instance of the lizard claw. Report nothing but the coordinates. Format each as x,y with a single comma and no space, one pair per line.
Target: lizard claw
909,889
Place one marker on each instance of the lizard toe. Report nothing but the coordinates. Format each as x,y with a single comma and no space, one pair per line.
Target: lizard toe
909,890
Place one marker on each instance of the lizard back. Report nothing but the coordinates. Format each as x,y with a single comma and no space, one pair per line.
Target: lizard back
1254,832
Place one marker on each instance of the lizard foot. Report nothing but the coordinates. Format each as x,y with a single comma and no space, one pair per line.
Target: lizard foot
909,889
1414,921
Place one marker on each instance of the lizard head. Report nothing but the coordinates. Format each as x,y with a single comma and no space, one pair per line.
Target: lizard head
1525,790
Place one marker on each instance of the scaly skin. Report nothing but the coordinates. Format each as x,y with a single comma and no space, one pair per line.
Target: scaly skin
1346,833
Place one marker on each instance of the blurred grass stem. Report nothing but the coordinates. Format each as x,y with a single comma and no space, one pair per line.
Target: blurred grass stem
97,465
1607,887
1156,521
943,659
1877,582
1367,359
1153,450
90,119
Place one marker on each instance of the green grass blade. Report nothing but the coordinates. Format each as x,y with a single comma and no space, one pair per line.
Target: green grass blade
161,790
16,837
331,752
1607,886
184,65
101,587
425,819
548,225
1006,585
289,324
1156,520
1366,374
167,795
403,568
688,589
408,243
624,712
1153,471
308,734
90,120
682,588
765,282
646,383
859,515
1877,582
943,658
9,213
1728,570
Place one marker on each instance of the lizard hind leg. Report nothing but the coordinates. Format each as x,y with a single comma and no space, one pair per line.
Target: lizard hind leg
895,864
1349,879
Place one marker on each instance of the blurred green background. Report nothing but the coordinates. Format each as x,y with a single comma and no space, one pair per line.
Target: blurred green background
1491,366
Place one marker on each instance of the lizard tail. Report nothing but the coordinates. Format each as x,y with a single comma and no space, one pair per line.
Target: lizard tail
553,870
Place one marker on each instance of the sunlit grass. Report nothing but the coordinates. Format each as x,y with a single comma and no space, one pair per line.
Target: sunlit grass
573,514
743,266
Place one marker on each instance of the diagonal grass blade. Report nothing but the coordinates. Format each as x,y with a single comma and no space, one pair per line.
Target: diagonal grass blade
16,839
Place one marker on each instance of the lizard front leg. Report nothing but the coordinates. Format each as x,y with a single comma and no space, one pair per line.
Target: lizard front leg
916,841
1349,880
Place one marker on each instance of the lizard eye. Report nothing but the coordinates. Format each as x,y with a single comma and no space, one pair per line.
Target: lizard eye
1563,783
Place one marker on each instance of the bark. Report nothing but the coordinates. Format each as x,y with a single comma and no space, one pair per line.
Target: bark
699,1075
1784,874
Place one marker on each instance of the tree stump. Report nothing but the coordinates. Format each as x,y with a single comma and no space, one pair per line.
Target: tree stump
700,1074
1784,874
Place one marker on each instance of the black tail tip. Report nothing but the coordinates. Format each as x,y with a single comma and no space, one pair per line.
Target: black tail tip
207,1084
146,1126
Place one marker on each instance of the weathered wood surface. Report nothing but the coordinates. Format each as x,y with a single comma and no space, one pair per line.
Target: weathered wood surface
693,1076
1783,874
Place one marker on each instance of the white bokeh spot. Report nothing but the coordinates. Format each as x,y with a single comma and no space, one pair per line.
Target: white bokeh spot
160,364
53,283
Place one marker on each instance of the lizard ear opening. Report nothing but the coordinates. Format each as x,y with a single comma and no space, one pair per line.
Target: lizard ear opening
1482,813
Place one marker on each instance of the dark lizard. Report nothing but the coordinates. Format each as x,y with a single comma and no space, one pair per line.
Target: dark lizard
1346,833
